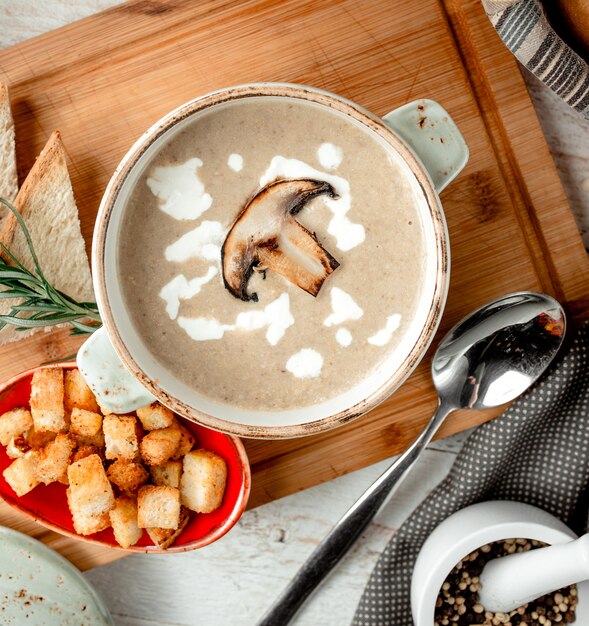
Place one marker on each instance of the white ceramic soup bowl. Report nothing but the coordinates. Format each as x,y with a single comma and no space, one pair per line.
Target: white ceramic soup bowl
118,364
473,527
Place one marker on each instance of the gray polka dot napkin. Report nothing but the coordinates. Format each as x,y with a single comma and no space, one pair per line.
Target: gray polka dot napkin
525,30
537,452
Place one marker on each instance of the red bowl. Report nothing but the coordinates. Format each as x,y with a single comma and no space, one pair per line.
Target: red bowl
47,504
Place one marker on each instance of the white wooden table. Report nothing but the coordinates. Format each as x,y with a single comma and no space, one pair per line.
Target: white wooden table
231,582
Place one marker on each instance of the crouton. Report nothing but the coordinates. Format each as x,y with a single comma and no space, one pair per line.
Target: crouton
155,415
165,537
128,476
77,394
17,447
167,475
90,524
85,423
20,474
159,445
83,451
54,459
14,423
123,519
87,524
158,507
103,409
186,442
96,440
203,481
139,431
120,436
47,407
39,439
90,490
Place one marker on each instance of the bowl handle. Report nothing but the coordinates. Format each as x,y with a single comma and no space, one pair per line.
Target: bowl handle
115,388
434,138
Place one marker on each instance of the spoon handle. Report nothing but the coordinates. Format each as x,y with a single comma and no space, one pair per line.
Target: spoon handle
343,535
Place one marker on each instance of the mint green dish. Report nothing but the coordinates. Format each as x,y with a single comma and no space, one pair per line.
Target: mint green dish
39,587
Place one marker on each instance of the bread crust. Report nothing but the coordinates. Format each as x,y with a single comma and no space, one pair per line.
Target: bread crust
8,173
53,153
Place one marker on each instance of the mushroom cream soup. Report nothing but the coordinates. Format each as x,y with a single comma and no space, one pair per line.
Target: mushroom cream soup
273,253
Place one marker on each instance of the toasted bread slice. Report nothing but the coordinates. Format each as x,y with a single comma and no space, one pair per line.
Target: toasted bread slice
46,203
8,176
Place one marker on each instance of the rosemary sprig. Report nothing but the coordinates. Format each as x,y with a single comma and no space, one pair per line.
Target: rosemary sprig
40,304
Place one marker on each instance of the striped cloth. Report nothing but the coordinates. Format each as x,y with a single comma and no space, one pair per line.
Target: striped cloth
523,26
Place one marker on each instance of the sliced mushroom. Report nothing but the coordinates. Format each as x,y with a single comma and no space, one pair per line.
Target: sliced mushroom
266,236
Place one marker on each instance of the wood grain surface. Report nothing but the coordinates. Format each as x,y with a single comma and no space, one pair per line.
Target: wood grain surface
102,81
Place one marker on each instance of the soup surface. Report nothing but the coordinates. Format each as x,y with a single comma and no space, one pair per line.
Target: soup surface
234,316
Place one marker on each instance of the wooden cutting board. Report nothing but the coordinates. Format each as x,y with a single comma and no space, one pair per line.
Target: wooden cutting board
102,81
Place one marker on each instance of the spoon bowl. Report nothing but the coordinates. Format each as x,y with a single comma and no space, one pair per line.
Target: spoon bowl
498,351
489,358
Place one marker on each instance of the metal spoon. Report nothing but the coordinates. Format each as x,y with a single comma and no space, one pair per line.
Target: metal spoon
489,358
